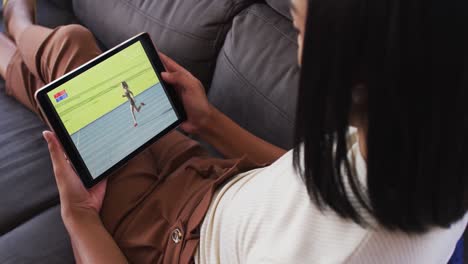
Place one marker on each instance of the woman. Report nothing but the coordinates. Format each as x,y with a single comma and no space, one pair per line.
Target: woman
395,191
131,100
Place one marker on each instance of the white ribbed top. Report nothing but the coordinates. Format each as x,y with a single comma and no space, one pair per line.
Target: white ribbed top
266,216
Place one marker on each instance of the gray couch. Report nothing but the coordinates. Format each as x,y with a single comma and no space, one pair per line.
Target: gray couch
244,51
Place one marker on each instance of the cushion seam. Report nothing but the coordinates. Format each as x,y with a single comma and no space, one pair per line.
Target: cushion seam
283,113
48,205
165,25
222,34
218,41
278,10
254,13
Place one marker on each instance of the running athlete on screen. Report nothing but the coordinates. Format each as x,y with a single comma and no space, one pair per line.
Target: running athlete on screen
131,100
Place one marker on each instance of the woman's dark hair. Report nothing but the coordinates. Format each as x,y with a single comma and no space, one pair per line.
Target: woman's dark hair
124,84
412,56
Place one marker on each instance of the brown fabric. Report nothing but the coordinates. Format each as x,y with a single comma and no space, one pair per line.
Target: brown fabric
156,203
43,55
166,189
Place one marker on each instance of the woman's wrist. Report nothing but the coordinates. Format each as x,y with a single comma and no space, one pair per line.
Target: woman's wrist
73,218
207,126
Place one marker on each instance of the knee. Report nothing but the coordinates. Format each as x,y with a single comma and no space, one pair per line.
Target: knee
75,34
69,47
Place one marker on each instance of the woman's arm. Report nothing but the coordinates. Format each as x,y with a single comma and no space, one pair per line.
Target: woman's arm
233,141
76,253
80,211
91,241
208,123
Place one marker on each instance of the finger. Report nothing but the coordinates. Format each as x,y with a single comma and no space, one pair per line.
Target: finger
56,153
164,59
177,79
170,64
59,162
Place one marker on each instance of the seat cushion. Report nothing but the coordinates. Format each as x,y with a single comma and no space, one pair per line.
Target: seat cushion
42,239
27,184
31,230
255,82
190,31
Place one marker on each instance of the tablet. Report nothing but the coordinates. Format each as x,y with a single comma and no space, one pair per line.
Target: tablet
111,108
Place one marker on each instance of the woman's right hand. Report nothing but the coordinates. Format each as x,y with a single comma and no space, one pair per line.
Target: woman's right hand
212,126
75,199
192,93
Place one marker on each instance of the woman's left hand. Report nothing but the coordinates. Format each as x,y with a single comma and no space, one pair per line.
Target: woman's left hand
193,96
75,199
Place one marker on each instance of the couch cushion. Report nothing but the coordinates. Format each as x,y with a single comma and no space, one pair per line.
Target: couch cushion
255,82
50,13
190,31
31,230
65,5
281,6
42,239
55,13
27,185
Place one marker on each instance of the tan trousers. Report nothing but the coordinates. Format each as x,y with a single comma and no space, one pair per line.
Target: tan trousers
155,204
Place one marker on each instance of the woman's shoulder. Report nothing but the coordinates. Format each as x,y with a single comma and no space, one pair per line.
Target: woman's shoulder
288,225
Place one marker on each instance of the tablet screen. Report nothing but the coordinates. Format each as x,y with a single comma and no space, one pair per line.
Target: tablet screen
114,108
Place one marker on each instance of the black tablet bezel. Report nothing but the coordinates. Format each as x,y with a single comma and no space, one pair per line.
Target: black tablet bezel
57,125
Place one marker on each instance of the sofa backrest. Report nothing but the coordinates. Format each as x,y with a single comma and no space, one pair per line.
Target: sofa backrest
256,77
281,6
190,31
243,51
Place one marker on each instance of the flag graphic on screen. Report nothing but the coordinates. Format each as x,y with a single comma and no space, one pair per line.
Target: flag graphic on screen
62,95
